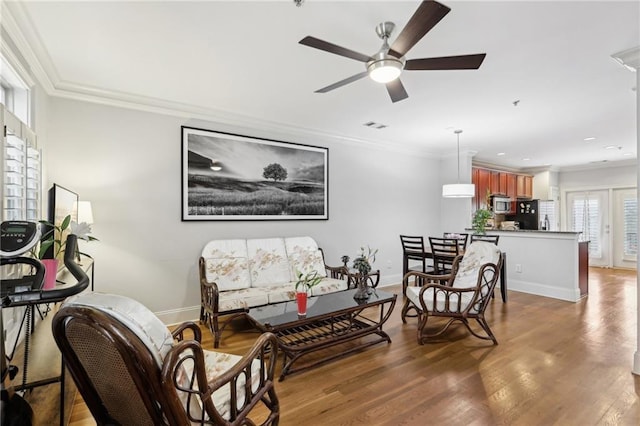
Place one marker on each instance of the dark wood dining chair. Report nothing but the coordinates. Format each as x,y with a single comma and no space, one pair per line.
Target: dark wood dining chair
413,249
444,251
462,239
488,238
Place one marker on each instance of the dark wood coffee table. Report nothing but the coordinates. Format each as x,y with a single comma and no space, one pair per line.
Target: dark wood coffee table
331,320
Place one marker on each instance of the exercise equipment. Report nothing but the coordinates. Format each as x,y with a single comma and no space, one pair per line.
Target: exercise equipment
24,289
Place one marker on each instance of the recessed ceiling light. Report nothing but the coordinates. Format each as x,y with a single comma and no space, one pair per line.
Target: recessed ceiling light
526,159
591,138
500,154
626,154
611,147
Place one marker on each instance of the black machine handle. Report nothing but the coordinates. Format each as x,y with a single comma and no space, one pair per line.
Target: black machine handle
38,296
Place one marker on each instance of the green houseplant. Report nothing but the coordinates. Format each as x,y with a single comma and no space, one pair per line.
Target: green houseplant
363,264
56,236
479,222
53,244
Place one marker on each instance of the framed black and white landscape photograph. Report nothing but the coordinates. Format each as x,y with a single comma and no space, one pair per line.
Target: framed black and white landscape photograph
234,177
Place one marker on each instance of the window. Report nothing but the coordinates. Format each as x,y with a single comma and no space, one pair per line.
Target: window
21,188
630,211
586,214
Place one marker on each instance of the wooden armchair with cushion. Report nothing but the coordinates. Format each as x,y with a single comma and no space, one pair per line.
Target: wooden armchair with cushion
131,370
465,295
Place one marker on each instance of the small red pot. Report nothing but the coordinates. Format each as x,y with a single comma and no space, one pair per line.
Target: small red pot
301,300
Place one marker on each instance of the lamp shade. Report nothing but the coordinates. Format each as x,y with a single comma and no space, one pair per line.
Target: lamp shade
85,214
459,190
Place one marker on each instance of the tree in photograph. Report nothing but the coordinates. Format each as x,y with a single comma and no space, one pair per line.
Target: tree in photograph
275,171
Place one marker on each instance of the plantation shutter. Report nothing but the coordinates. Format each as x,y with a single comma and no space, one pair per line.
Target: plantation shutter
586,215
630,212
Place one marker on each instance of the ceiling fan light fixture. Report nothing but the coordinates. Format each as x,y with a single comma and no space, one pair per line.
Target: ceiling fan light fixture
385,70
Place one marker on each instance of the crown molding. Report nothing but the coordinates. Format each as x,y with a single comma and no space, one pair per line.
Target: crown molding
12,14
20,29
629,58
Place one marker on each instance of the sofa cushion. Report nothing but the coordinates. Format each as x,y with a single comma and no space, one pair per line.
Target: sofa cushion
226,264
304,256
268,262
477,254
244,298
328,285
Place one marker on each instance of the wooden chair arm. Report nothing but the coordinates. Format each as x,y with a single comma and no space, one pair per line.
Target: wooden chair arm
178,332
264,351
337,272
422,277
487,277
452,303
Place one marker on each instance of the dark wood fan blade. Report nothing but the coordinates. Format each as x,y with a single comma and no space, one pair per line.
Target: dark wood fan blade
428,14
462,62
342,82
334,48
396,90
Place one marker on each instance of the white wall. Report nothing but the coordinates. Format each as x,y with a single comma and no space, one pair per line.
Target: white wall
127,163
605,177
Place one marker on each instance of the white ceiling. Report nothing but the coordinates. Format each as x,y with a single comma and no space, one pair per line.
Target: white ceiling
242,59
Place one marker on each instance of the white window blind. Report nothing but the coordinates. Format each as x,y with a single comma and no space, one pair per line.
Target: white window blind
586,219
630,211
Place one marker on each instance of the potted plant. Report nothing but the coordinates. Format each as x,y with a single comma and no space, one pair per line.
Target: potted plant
363,264
304,283
479,222
53,244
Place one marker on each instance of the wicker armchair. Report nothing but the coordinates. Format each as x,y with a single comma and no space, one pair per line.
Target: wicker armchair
131,370
463,296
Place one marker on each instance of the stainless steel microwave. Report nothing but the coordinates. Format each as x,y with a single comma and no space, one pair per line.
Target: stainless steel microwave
501,205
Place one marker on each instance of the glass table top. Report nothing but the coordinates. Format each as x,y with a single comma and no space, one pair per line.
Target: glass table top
287,312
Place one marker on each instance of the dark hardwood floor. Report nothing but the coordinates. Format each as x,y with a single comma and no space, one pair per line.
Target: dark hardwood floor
558,363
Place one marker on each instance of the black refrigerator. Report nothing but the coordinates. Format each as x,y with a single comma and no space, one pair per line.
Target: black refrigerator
526,214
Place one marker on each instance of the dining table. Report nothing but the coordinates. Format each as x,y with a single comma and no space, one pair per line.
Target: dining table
428,254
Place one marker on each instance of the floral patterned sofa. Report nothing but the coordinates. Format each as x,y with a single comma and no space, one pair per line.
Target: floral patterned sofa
238,274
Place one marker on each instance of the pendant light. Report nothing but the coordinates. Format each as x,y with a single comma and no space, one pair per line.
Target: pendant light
458,190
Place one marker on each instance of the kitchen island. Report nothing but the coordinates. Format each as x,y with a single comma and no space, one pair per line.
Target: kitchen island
546,263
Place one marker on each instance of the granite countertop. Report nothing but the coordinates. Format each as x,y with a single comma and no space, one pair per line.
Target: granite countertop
528,230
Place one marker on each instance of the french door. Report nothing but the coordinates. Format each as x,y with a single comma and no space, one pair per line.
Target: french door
625,228
588,213
609,220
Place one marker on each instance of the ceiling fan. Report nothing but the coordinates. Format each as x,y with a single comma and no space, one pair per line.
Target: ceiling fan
386,65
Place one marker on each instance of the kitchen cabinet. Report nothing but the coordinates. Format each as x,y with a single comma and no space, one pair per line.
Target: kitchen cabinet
482,180
524,186
498,183
511,186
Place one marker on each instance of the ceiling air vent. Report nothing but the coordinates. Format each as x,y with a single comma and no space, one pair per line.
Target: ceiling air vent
374,125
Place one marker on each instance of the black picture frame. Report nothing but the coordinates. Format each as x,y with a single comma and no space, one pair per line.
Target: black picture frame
62,202
226,176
